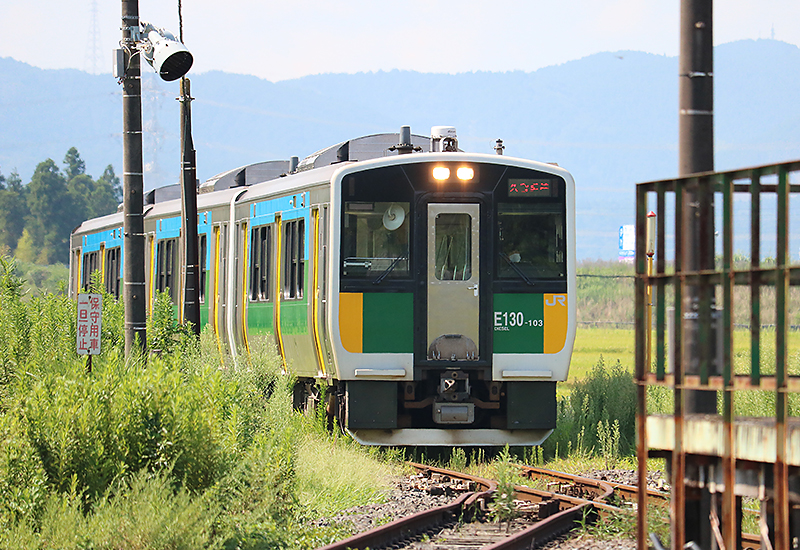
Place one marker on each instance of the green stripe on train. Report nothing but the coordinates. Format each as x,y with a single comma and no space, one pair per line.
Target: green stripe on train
518,323
388,322
260,317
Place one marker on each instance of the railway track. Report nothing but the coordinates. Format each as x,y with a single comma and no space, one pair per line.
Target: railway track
543,515
622,494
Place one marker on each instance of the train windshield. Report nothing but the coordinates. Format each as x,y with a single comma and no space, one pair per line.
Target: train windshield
375,240
531,238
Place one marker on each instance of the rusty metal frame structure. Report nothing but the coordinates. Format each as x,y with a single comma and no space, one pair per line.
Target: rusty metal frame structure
670,273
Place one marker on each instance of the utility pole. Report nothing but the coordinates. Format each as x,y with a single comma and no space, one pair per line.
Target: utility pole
191,305
133,294
696,154
191,297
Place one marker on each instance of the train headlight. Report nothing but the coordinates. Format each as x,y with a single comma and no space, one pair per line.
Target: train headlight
441,173
465,173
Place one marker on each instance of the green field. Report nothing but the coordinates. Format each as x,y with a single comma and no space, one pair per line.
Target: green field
619,345
592,343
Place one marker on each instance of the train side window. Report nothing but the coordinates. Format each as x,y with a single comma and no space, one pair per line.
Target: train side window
531,241
111,276
375,239
166,275
260,263
201,256
293,251
91,263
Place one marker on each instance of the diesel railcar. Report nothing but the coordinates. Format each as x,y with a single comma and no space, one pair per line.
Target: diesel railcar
428,296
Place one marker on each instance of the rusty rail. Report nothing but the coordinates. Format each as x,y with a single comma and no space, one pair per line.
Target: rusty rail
421,522
558,514
564,513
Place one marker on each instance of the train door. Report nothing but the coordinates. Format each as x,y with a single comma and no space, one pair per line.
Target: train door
453,282
220,278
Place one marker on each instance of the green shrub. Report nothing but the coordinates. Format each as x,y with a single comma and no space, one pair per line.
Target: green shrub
164,333
22,477
183,449
144,514
124,418
605,397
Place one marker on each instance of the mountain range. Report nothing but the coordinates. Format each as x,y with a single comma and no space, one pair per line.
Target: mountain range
610,118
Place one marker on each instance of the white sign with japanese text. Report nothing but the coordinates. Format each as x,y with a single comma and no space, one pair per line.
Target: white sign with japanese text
90,308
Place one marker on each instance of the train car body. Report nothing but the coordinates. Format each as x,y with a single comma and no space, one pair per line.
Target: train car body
431,296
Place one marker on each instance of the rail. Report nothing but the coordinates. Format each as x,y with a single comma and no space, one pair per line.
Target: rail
576,501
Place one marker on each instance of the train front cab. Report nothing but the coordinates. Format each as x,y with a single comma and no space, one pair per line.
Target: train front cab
453,320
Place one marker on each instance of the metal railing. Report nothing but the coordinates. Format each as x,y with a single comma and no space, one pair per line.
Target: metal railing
712,362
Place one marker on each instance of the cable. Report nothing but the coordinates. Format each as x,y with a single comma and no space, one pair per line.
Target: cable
180,22
606,276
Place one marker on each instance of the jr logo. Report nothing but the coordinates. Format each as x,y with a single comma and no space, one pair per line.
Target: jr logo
554,299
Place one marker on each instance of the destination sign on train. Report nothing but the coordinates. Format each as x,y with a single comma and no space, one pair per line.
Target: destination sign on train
518,187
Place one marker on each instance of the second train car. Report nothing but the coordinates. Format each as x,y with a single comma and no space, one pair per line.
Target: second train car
428,296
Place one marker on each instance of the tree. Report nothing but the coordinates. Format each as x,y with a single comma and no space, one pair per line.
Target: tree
50,217
74,164
79,189
112,180
102,200
26,251
13,210
14,183
36,220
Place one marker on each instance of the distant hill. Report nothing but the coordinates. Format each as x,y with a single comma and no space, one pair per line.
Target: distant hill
610,118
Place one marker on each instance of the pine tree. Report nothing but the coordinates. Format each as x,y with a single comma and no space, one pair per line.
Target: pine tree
13,210
112,180
74,164
50,205
80,189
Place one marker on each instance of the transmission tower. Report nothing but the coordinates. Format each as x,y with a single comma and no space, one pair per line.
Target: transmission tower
155,136
93,43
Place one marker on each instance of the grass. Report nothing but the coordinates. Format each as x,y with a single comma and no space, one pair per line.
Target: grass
181,450
335,474
592,343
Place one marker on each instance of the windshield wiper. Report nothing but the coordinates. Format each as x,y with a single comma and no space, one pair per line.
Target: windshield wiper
516,268
388,270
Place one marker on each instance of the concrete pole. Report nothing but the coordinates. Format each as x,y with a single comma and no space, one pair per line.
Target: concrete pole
133,294
191,305
696,154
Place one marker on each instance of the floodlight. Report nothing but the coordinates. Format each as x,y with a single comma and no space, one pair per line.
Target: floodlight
165,53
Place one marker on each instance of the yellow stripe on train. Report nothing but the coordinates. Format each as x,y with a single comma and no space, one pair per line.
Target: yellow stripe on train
556,316
351,321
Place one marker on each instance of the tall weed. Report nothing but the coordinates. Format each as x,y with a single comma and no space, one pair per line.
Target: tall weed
502,508
605,397
145,513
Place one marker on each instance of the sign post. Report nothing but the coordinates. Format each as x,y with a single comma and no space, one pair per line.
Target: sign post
627,243
90,313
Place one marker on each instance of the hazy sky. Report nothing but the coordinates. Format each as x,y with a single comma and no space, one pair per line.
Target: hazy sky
280,40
